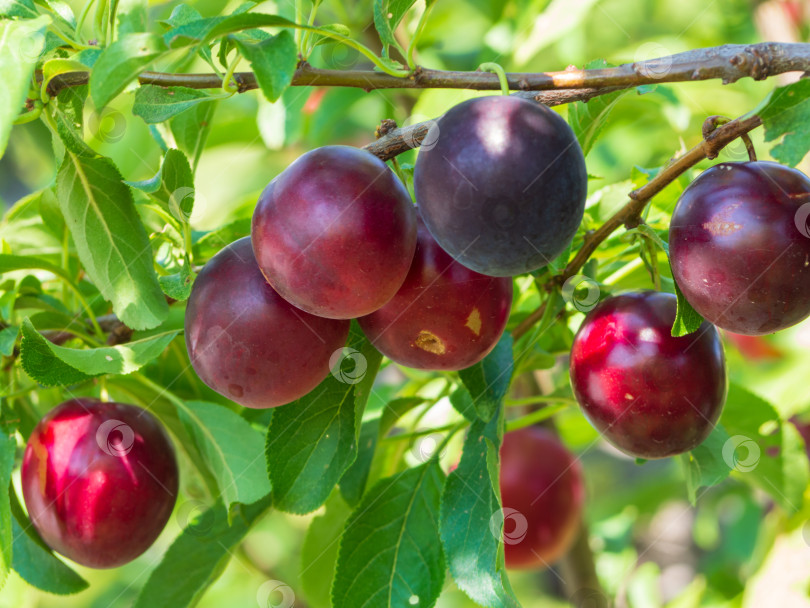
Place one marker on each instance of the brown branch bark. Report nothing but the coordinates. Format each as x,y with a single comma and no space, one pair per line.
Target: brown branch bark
729,62
630,214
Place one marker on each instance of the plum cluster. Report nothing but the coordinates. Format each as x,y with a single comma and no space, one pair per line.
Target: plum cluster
336,237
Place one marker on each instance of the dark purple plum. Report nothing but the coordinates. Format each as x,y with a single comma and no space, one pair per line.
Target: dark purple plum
335,233
445,316
99,481
502,186
650,394
740,246
247,342
543,492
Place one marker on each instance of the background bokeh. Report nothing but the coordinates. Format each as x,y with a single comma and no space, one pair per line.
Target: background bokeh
652,548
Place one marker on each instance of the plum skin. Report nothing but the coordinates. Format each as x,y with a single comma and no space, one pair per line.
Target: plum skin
503,189
543,482
736,251
335,232
99,498
650,394
444,317
249,344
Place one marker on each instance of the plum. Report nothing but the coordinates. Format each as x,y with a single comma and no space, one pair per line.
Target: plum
335,233
99,481
543,491
247,342
502,189
445,316
650,394
740,246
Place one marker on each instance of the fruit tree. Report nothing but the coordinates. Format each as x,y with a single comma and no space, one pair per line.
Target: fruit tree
399,303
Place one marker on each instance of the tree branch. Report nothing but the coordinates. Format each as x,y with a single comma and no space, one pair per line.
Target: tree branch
630,214
729,62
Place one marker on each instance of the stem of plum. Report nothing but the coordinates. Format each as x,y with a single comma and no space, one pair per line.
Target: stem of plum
498,70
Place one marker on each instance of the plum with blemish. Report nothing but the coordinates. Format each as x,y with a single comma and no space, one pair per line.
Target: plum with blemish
335,233
444,317
247,342
99,481
650,394
502,186
740,246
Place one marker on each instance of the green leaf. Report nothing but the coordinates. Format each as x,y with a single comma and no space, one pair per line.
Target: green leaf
650,233
35,564
337,28
232,449
588,118
273,61
182,14
786,112
67,111
191,128
396,409
134,19
472,519
10,263
764,450
120,63
178,285
55,67
191,32
687,319
387,15
173,185
210,243
198,556
53,365
21,43
110,239
320,550
354,480
8,451
704,465
8,337
63,11
489,379
18,8
155,104
391,553
312,441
